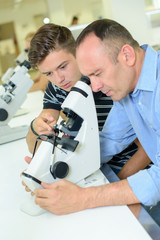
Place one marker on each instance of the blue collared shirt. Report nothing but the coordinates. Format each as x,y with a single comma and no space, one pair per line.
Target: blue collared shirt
138,115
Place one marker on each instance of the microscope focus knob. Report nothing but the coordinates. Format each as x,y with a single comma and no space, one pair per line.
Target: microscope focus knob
3,114
60,170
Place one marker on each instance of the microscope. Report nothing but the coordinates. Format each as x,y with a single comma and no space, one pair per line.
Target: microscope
22,57
12,94
72,152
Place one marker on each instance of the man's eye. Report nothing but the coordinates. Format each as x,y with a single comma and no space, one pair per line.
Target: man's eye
48,74
63,66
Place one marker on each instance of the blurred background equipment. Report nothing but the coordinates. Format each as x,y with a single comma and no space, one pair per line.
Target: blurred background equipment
12,94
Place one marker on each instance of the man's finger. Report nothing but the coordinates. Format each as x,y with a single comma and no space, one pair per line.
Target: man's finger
41,193
43,125
28,159
47,186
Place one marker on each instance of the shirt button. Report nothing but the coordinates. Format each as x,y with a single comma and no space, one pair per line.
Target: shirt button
139,103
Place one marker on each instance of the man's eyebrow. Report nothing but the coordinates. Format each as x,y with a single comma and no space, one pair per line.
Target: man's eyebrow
93,73
61,64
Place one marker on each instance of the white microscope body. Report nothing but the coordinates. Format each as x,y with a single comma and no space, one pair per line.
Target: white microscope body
12,95
73,152
22,57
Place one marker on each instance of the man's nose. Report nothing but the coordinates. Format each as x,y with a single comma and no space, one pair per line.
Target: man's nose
59,77
96,85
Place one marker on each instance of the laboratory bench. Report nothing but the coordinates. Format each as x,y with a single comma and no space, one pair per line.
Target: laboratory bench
112,222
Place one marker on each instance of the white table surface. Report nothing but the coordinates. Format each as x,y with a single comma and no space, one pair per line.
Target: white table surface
101,223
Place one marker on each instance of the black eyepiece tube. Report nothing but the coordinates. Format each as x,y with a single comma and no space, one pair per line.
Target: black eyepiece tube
86,80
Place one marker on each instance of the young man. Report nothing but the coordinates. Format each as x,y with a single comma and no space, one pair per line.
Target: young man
53,52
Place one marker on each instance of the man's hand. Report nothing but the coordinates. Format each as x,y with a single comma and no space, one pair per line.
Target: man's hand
44,123
61,197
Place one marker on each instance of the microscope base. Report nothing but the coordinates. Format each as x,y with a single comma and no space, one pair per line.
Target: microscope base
95,179
8,134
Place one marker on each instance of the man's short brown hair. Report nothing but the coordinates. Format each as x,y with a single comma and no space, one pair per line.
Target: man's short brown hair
48,38
111,33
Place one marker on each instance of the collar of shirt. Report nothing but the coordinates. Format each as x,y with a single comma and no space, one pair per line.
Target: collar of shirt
148,70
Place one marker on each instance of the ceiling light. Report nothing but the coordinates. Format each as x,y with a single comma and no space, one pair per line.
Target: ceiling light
46,20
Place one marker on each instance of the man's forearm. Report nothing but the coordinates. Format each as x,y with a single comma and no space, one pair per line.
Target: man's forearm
117,193
64,197
137,162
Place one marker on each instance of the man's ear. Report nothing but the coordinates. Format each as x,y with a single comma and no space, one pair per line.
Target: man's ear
127,55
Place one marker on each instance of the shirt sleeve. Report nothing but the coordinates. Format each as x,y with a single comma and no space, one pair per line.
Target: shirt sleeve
117,133
146,185
53,97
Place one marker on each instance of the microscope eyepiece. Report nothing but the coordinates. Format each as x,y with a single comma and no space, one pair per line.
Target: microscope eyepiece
26,64
86,80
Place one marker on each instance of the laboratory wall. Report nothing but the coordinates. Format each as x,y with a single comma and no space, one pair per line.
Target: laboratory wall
27,16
